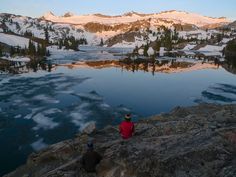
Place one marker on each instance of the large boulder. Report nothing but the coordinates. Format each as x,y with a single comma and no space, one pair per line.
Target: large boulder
89,128
150,51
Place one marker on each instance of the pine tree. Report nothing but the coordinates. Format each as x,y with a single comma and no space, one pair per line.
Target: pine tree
50,28
48,53
46,34
18,49
175,35
66,44
101,42
1,51
38,49
43,49
28,34
31,49
219,37
22,52
158,45
12,51
60,44
146,47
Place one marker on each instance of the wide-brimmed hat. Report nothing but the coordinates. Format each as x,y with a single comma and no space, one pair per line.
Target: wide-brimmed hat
128,116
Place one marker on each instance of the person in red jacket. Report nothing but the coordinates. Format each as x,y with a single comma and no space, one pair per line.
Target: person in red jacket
126,127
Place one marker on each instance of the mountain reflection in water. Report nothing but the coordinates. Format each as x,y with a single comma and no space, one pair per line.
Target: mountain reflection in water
171,65
148,65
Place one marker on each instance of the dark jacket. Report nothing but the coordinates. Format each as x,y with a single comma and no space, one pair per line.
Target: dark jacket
90,159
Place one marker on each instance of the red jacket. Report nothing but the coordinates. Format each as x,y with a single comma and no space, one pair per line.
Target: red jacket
126,129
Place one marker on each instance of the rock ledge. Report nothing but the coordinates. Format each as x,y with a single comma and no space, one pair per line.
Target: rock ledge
197,141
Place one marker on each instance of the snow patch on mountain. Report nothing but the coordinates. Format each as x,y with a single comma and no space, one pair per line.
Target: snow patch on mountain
189,47
212,48
17,59
14,40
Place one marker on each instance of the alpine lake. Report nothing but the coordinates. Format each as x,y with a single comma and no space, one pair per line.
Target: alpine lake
48,102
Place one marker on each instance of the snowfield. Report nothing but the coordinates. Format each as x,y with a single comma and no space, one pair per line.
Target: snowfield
188,47
226,40
212,48
20,59
14,40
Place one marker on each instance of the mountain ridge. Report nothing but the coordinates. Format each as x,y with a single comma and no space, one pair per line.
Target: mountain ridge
132,13
172,15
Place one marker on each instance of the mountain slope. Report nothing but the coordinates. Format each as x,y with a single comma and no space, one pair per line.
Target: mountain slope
22,25
128,28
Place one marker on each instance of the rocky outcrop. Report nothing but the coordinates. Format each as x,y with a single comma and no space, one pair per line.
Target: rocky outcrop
128,37
231,25
197,141
184,27
230,64
230,49
97,27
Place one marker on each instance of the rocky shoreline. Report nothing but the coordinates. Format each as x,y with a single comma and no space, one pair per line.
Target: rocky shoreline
198,141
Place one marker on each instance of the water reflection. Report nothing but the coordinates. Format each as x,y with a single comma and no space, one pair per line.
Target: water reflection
163,65
17,67
152,66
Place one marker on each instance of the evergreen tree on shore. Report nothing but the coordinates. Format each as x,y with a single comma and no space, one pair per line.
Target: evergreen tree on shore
71,43
12,51
146,47
31,48
0,50
101,42
60,43
46,35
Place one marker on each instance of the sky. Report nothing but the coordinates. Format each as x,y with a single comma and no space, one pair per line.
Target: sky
36,8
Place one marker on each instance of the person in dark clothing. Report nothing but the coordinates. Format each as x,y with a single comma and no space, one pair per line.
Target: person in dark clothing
90,159
126,127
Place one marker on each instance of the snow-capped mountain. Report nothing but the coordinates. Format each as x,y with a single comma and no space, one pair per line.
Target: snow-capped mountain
174,17
129,28
20,25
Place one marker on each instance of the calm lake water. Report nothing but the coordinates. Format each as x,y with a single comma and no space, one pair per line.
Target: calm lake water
41,108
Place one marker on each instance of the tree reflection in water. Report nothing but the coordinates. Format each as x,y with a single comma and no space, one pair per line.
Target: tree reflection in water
17,67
